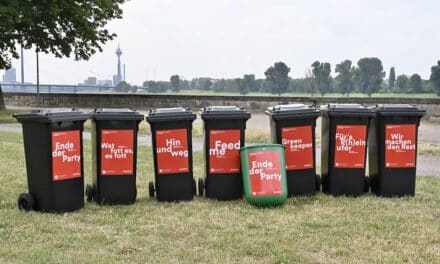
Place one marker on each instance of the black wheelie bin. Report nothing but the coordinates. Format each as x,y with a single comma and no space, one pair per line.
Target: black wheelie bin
54,160
114,155
343,149
224,136
293,126
392,149
171,130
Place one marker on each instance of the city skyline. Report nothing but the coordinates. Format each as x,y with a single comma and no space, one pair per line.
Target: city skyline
400,33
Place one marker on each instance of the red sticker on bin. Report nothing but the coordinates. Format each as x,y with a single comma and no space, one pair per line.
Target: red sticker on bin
66,155
350,146
172,151
265,173
117,152
224,148
400,146
298,144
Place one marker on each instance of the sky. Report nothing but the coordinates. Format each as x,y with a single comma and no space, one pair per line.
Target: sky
229,38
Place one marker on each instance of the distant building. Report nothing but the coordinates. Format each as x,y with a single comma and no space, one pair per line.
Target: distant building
105,82
10,76
91,81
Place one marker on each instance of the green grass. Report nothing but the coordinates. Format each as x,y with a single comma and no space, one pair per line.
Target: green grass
428,149
6,115
319,229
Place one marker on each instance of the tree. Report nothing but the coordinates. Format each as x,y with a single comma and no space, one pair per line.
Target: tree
206,84
242,87
59,27
435,78
391,79
309,84
401,85
250,83
175,83
344,79
321,75
369,75
219,86
277,77
415,83
123,87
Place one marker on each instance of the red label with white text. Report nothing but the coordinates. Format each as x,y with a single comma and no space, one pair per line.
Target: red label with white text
265,173
224,147
400,146
350,146
117,152
172,151
66,155
298,144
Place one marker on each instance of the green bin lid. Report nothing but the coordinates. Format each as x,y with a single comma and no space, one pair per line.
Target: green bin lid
170,115
346,110
398,109
115,114
224,112
260,146
52,115
288,111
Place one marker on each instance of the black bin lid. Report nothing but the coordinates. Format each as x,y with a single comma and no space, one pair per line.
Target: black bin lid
398,109
288,111
224,112
52,115
170,115
346,110
115,114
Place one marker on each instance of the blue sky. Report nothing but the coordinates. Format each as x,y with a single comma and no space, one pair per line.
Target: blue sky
197,38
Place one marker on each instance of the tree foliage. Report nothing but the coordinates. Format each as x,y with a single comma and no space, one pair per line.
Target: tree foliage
369,75
402,83
435,77
277,77
344,78
321,75
59,27
415,83
175,83
391,78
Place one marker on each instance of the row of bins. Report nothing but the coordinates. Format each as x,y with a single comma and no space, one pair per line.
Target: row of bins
56,180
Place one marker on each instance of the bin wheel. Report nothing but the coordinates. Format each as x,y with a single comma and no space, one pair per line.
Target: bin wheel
151,189
90,193
366,184
194,186
201,187
317,183
25,202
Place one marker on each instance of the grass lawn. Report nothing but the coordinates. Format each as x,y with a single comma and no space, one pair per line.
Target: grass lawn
319,229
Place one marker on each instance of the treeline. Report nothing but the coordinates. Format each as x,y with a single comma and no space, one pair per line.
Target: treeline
367,77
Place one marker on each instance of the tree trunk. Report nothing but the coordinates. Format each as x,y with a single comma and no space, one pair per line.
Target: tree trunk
2,101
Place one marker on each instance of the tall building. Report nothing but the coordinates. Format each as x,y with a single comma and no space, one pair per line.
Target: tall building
10,76
91,81
118,77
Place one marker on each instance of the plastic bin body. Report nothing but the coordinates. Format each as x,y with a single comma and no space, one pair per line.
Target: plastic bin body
224,135
293,126
343,148
264,174
54,158
392,149
172,152
114,155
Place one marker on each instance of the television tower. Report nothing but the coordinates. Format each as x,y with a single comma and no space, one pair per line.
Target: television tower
119,53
